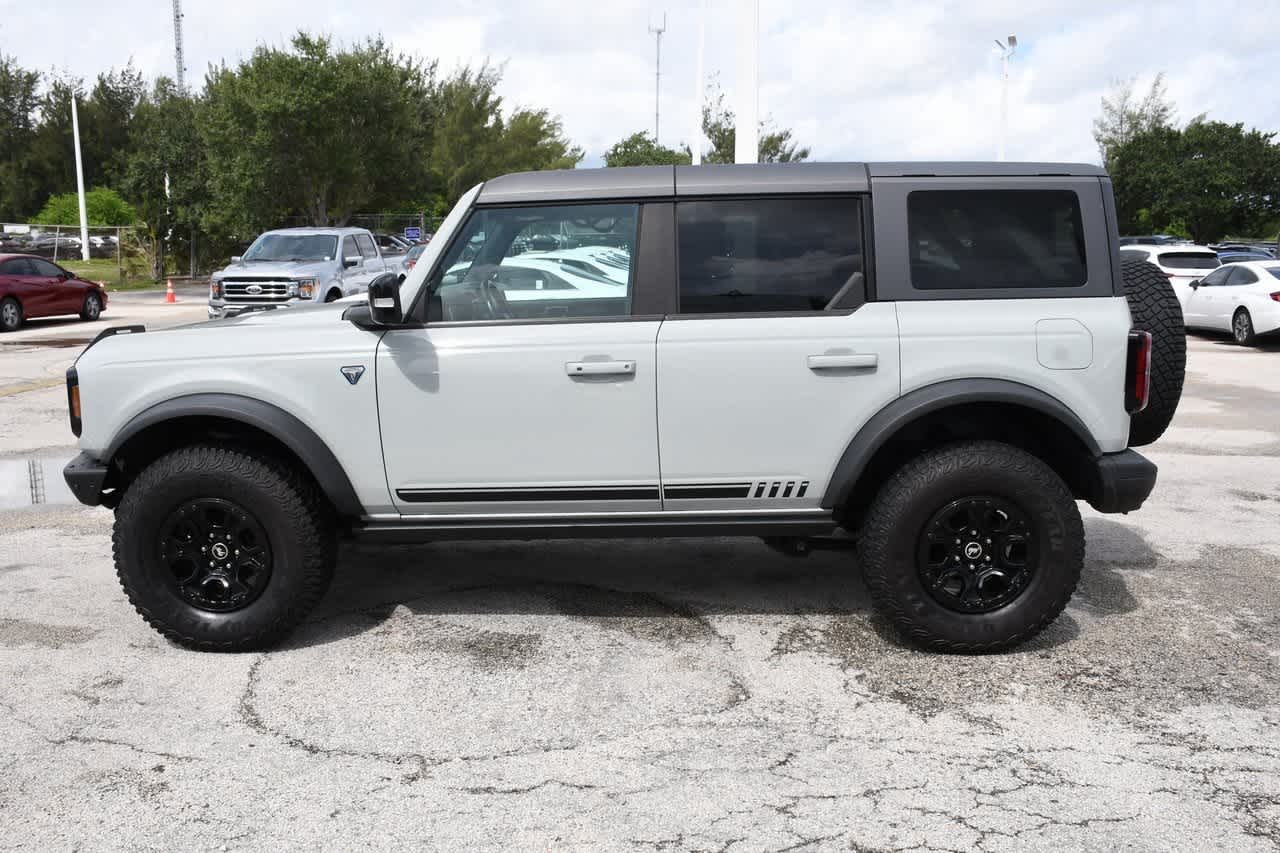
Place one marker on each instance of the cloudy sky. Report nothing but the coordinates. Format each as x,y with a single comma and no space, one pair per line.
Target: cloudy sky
856,80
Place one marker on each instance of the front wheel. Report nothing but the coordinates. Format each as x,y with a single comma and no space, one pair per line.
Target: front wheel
92,309
10,315
974,547
1242,328
221,549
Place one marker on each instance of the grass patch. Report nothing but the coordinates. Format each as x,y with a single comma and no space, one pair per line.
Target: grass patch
105,269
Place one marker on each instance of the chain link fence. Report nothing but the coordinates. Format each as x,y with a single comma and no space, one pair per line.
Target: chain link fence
118,255
131,256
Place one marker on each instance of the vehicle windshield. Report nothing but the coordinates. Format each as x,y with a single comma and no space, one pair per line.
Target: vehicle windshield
416,251
293,247
1189,260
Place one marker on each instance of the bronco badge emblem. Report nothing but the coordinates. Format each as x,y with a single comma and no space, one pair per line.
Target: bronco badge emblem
353,373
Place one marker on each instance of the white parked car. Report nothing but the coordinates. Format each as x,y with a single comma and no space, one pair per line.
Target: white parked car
1241,298
1181,263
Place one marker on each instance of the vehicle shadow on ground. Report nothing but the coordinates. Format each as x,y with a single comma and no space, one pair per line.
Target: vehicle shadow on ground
1224,339
661,580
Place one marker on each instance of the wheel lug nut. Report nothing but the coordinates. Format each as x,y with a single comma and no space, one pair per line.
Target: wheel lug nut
987,558
971,567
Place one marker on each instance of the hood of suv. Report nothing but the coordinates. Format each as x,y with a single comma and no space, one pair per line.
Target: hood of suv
275,269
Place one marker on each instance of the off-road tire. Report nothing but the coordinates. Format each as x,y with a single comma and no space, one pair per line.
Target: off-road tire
1242,328
889,539
1155,309
92,309
299,528
10,314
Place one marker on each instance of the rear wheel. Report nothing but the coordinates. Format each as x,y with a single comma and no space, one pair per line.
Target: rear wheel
10,315
1154,308
92,309
1242,328
333,296
221,549
974,547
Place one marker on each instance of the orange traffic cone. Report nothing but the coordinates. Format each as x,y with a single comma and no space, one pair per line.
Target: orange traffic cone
168,292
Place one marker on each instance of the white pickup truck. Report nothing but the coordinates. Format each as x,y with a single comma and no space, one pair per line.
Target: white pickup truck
297,264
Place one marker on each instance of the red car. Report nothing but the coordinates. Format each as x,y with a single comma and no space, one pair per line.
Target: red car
34,287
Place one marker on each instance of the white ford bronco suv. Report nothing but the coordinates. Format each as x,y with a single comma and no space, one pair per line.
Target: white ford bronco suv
288,266
933,361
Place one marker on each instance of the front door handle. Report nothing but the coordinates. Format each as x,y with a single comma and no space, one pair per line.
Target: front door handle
862,360
600,368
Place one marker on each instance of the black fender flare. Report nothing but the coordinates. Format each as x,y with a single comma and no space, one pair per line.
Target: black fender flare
299,438
915,404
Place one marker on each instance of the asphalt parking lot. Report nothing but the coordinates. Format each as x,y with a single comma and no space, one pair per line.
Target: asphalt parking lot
700,695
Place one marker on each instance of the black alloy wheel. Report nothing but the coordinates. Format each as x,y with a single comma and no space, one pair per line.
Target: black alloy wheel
977,554
218,553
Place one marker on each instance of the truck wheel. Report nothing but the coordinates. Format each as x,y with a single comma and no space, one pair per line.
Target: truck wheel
1155,309
222,549
974,547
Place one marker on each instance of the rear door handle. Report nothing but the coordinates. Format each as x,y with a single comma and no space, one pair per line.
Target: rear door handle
600,368
855,359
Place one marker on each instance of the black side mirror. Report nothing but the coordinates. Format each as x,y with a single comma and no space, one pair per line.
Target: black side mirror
1195,284
384,300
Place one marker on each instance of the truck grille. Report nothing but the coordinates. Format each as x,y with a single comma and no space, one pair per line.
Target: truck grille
254,291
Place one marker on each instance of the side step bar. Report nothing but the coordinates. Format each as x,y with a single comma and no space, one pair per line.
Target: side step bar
410,530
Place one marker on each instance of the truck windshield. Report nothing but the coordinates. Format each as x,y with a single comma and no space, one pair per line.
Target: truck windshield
293,247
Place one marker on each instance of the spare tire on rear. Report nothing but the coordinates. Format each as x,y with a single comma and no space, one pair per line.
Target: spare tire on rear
1155,309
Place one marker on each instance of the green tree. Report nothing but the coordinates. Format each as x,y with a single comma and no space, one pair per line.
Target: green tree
18,105
1210,179
166,174
472,141
641,149
776,146
105,116
314,130
102,207
51,156
1125,115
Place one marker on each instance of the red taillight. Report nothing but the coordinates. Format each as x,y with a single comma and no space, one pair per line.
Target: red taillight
1137,379
1275,297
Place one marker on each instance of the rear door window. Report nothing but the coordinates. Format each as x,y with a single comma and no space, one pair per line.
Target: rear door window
993,239
767,255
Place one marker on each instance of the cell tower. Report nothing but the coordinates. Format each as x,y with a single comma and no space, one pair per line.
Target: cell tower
177,45
657,71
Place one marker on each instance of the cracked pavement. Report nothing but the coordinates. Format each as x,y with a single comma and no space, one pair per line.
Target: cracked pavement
684,695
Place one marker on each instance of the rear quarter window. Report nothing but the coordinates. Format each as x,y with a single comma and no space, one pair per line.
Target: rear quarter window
993,239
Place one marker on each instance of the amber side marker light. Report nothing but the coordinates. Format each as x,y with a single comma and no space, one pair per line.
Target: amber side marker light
73,400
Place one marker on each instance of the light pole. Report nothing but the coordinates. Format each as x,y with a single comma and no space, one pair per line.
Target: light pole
1007,48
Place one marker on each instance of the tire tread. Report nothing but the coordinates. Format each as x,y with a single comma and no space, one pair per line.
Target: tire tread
310,519
899,493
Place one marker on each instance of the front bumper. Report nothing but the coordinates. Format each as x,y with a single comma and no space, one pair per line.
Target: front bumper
221,310
85,476
1122,481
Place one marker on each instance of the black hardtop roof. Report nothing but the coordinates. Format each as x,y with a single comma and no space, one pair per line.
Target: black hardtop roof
746,179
